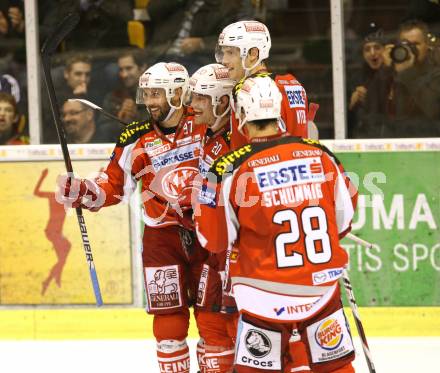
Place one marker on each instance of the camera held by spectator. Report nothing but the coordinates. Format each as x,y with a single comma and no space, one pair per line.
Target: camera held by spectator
402,51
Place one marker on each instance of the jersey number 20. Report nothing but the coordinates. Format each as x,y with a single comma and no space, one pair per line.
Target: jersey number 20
312,235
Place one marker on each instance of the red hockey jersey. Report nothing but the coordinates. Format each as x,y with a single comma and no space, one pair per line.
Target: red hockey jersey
294,108
278,207
214,145
162,158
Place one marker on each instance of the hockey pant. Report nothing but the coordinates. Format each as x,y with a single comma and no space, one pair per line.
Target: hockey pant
171,280
321,344
217,329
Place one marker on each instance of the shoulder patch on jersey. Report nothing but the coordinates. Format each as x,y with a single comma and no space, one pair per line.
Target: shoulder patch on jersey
230,161
317,144
132,132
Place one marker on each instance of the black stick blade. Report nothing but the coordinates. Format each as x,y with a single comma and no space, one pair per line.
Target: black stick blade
61,31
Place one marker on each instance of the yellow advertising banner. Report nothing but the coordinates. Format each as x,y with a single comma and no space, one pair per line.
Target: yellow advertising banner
42,259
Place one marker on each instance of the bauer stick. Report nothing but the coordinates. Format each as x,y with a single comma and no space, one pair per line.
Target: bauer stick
49,47
354,307
100,109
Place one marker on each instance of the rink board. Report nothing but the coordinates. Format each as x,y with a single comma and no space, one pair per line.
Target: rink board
399,213
42,260
126,323
401,270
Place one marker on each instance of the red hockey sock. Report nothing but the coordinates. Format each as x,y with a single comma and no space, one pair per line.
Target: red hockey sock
173,356
219,359
201,355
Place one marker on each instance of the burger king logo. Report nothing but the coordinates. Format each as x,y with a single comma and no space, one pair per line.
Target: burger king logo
329,334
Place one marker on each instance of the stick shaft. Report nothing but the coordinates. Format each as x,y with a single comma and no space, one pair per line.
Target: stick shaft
100,109
357,320
354,307
359,240
45,59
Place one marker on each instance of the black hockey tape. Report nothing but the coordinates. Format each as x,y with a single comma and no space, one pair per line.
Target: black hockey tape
59,33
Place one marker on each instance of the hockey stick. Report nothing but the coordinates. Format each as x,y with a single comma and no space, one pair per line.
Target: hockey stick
354,307
98,108
359,240
49,47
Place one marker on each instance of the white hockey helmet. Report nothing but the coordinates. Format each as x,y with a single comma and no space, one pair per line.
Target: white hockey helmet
212,80
259,98
166,75
245,35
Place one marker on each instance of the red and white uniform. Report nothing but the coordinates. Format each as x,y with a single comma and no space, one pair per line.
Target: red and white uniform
294,108
280,206
216,312
210,292
163,160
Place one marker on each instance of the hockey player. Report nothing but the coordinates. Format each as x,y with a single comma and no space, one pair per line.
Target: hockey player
280,205
210,88
163,154
243,48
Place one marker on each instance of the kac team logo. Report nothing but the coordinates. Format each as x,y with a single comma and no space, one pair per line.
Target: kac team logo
329,334
175,180
257,343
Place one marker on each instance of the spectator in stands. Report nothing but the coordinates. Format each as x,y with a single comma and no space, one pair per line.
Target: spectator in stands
367,103
74,82
79,125
10,85
192,27
103,23
414,98
11,19
12,37
11,123
76,78
121,102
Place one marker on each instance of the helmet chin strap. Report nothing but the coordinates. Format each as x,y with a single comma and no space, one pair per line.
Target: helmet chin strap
247,70
216,125
245,133
173,109
170,113
241,123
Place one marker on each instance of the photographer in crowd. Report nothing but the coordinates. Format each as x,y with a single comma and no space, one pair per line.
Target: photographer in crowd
367,109
413,104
